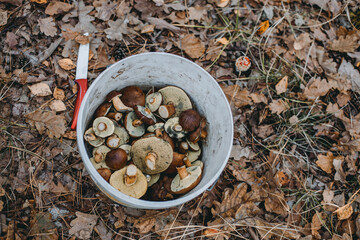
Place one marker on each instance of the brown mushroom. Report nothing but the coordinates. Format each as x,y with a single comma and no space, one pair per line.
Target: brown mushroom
186,179
114,97
177,161
92,139
134,125
116,116
183,147
174,129
102,110
131,182
126,148
116,159
132,96
193,146
153,101
152,155
145,115
98,165
119,137
166,111
178,97
99,153
193,155
103,127
189,120
105,173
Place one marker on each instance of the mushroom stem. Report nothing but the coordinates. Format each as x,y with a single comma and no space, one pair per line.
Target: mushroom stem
203,134
150,160
177,127
98,157
119,105
101,126
187,162
183,147
158,132
115,115
90,137
182,172
166,111
137,122
113,141
130,175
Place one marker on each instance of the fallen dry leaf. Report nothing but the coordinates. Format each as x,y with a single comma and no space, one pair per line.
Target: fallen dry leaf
148,28
326,162
282,85
59,94
116,29
239,98
103,232
40,89
222,3
317,221
11,39
3,17
238,151
223,41
105,9
344,212
276,203
84,24
192,46
346,70
302,41
56,7
47,26
39,1
83,225
278,106
258,98
230,200
263,131
263,26
198,12
66,64
57,105
346,44
316,88
43,225
70,135
82,39
47,121
328,195
282,178
343,98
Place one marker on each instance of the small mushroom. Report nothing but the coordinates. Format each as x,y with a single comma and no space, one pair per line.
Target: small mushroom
198,163
132,125
177,161
167,138
189,120
99,153
166,111
174,129
114,97
151,155
193,155
105,173
132,96
193,146
153,101
242,64
119,137
152,179
98,165
92,139
186,179
178,97
102,110
130,181
145,115
183,147
156,126
116,159
103,127
126,148
187,162
116,116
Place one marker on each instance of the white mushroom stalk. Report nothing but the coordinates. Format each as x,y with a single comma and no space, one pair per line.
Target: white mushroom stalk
119,105
99,153
166,111
150,160
130,175
137,123
103,127
153,101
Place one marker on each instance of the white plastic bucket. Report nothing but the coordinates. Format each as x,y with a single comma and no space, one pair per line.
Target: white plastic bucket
159,70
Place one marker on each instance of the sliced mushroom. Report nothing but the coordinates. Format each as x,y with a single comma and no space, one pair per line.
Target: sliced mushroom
126,148
137,189
193,155
99,153
132,126
92,139
105,173
153,101
183,147
103,127
174,129
132,96
186,179
152,179
145,115
114,97
178,97
177,161
115,116
116,159
193,146
119,137
152,155
98,165
102,110
189,120
166,111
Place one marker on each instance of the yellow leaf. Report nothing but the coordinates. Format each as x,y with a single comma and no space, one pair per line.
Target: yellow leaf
223,41
326,162
282,85
66,64
39,1
344,212
263,26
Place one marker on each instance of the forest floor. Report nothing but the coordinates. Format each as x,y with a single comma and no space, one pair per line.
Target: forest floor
293,172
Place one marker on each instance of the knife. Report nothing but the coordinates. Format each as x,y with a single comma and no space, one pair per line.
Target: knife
81,78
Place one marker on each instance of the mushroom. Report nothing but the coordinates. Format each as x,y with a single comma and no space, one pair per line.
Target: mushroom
242,64
100,152
132,96
115,116
199,133
133,125
98,165
152,154
166,111
116,159
189,120
105,173
153,101
177,161
183,147
145,115
198,163
119,137
174,129
186,179
167,138
102,110
152,179
103,127
156,126
92,139
114,97
193,155
130,181
126,148
193,146
178,97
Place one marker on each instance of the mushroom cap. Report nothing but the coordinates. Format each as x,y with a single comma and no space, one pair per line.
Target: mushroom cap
137,190
132,96
193,146
105,173
193,155
177,161
181,186
112,94
98,165
242,64
116,159
153,179
102,150
143,115
103,109
178,97
108,129
127,149
95,143
152,128
198,163
170,123
153,101
122,134
133,131
189,120
143,146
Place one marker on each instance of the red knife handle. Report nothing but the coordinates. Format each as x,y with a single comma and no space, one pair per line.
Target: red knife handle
82,83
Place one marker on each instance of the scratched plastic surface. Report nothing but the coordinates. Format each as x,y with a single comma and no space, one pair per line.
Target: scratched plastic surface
159,70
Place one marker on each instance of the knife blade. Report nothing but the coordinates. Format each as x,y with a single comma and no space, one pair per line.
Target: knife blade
81,78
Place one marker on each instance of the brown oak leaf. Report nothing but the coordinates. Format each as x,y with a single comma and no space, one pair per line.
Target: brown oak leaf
282,85
278,106
47,121
326,162
236,96
47,26
83,225
57,7
192,46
